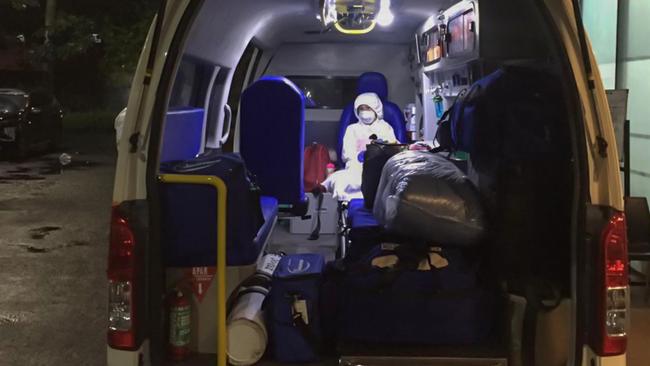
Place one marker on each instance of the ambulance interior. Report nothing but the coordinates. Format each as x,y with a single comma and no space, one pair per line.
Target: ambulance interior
267,79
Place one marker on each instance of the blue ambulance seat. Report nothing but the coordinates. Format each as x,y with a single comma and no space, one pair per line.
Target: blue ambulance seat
192,242
270,213
359,216
376,83
182,134
272,134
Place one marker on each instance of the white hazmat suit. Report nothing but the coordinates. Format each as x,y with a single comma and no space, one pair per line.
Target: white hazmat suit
346,184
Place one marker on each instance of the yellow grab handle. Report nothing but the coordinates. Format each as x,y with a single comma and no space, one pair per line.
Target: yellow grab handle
222,191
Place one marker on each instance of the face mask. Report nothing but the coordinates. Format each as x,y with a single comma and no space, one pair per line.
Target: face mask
367,117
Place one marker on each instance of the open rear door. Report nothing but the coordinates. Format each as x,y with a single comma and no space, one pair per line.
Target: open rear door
135,213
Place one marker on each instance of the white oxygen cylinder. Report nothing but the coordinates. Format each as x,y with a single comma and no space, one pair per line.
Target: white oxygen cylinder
247,334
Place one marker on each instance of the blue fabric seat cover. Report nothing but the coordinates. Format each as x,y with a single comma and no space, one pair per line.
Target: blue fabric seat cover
359,216
272,137
182,134
270,212
190,231
376,83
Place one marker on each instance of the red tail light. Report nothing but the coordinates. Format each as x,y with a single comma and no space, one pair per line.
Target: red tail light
121,275
612,305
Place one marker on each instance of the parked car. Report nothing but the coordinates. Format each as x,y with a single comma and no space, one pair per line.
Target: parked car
29,121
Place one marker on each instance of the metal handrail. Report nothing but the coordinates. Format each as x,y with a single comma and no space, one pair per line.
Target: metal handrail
222,191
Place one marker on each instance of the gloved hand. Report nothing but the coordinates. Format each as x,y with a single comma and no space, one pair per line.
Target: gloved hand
361,156
420,146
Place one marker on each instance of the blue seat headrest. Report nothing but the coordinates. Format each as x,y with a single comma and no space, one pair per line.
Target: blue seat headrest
281,82
373,82
182,134
272,129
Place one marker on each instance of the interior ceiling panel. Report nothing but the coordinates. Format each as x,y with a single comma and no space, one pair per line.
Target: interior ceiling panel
409,14
224,27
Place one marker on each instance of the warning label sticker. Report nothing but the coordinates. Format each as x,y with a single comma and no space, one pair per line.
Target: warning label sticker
200,278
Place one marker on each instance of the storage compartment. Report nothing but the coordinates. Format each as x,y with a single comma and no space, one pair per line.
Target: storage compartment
462,33
431,46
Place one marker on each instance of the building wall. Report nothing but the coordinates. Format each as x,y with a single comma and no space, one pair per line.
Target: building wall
599,17
634,74
625,24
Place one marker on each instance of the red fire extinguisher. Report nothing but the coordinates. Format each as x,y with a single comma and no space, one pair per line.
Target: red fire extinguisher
179,326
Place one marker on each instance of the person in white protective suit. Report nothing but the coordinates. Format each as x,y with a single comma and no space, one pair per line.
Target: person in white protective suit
346,184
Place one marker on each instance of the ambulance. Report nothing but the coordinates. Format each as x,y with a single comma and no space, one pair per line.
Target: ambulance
250,85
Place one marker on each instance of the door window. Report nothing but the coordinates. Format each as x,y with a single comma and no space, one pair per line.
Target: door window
241,78
325,92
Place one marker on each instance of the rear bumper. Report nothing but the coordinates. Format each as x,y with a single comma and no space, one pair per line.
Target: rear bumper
590,358
116,357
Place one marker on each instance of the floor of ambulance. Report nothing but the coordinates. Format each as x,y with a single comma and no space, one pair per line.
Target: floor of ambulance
283,241
486,355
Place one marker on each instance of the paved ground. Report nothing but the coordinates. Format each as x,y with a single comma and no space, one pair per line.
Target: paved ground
53,247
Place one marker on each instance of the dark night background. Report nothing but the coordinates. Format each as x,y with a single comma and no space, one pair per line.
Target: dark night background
92,51
54,217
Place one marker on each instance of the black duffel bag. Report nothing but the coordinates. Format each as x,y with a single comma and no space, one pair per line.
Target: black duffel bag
410,302
424,196
190,218
375,157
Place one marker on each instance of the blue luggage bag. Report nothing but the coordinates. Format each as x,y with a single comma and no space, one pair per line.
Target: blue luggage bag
293,308
190,212
439,306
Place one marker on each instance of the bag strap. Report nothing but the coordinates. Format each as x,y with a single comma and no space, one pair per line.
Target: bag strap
443,119
318,194
533,290
438,149
464,94
304,328
409,257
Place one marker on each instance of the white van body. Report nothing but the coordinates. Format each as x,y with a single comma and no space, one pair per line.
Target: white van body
132,163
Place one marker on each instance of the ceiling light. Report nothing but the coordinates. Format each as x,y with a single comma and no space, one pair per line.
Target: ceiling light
385,17
329,14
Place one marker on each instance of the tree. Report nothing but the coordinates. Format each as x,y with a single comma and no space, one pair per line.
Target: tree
93,45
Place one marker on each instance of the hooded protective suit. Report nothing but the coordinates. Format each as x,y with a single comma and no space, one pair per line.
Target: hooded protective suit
346,184
357,135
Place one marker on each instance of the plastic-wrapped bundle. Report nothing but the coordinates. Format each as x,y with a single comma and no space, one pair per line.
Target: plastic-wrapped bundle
424,196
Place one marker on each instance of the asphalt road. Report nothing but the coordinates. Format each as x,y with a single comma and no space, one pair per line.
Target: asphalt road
53,248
